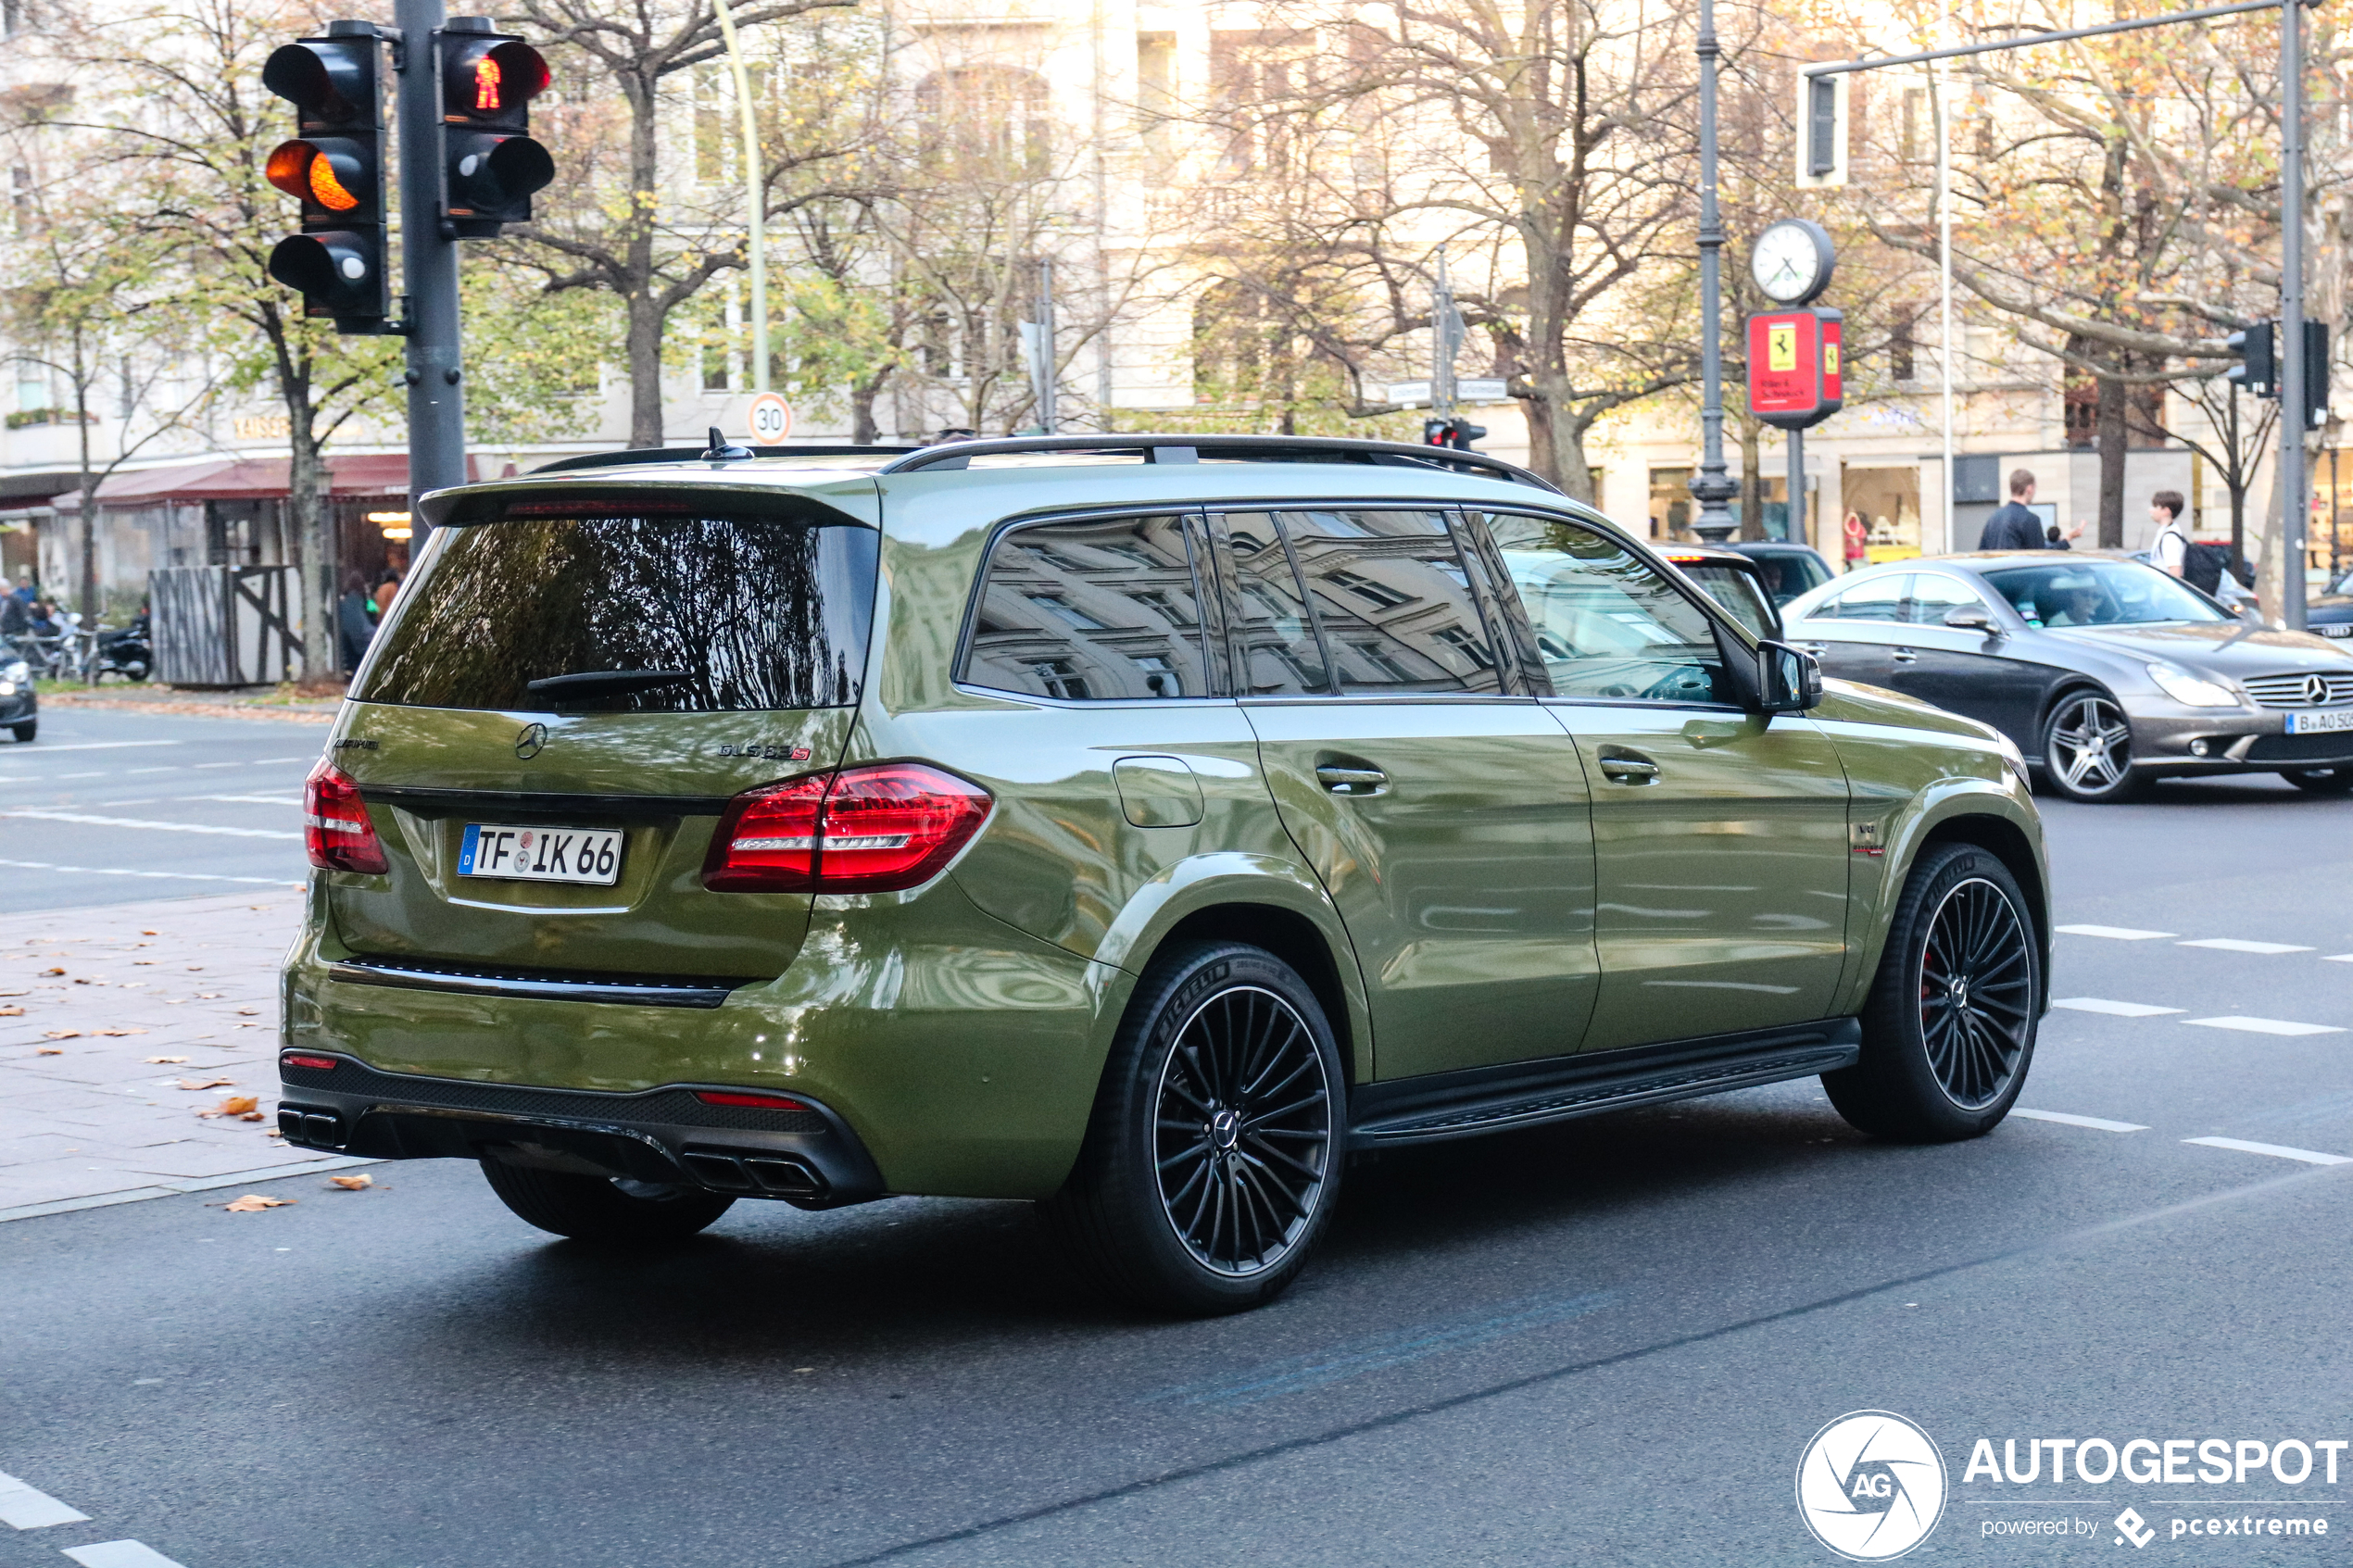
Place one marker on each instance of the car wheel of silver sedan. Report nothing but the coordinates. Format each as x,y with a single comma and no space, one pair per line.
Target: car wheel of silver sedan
2087,749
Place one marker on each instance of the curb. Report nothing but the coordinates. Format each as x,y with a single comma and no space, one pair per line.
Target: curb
175,1188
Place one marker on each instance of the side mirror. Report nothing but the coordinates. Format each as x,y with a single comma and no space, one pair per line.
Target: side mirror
1971,618
1788,679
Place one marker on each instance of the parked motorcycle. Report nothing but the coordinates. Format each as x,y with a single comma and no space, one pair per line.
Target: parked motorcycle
128,651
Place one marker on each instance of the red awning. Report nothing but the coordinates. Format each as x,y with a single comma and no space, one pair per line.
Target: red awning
253,479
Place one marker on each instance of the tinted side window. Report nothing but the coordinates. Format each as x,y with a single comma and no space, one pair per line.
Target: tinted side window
1607,623
1880,599
1393,600
1275,646
737,615
1935,595
1103,610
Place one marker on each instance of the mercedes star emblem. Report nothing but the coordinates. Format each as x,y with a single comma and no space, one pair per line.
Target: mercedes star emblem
531,742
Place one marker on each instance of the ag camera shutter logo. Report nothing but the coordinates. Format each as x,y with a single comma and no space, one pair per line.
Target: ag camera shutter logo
1871,1485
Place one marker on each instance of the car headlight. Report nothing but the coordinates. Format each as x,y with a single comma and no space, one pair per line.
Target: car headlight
2014,759
2192,690
19,672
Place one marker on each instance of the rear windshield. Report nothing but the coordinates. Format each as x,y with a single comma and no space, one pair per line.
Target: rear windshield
682,615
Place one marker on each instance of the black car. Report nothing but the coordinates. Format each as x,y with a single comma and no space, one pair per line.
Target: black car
2106,672
1789,569
2331,614
1735,580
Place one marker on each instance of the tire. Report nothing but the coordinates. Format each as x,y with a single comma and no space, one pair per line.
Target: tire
593,1209
1211,1164
26,731
2087,749
2320,781
1948,1031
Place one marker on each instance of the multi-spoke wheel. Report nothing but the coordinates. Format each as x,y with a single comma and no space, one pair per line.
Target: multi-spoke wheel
1977,992
1949,1028
2087,749
1212,1160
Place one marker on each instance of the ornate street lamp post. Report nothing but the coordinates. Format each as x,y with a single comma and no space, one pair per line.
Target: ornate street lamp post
1711,487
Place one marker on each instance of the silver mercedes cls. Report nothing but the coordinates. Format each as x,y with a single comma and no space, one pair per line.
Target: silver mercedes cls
2107,673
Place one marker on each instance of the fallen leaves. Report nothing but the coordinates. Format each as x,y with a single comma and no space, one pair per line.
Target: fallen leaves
207,996
193,1084
248,1013
352,1183
119,1034
53,972
49,1050
151,934
11,1012
252,1116
61,1033
253,1203
166,1060
235,1105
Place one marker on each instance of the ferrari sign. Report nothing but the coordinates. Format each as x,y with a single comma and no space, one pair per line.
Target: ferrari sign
1793,379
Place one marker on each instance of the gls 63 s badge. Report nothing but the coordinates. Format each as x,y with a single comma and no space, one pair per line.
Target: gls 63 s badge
1871,1485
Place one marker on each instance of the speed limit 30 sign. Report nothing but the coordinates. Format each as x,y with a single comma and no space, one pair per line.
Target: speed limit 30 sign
770,417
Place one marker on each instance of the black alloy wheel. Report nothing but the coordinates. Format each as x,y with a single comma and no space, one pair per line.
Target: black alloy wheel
1244,1130
1977,992
2320,780
1948,1030
1213,1158
2087,749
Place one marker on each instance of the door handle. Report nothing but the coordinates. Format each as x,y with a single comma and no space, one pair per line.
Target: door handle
1352,781
1628,767
1905,656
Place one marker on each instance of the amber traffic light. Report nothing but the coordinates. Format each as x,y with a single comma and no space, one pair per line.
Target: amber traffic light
334,167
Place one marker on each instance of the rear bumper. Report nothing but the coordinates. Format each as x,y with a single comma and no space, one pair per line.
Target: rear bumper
809,1158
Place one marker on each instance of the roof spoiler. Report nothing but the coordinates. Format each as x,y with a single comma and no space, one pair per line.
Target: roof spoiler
697,454
1226,449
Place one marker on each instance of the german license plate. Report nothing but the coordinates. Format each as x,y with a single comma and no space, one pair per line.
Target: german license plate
2319,723
520,854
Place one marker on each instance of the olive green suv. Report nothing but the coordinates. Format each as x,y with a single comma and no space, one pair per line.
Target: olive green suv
1139,825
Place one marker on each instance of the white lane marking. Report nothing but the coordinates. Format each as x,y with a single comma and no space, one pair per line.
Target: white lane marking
2278,1151
2264,1025
28,1507
271,761
121,1554
2338,958
104,745
169,876
38,814
2097,1124
2118,933
134,772
2233,944
248,799
2114,1009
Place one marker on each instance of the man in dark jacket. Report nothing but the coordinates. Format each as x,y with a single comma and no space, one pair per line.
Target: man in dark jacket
2015,527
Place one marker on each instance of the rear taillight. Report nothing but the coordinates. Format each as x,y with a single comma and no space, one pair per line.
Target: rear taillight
335,829
749,1101
878,829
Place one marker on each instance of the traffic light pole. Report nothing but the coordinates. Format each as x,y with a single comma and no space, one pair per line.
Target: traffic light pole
429,248
2296,507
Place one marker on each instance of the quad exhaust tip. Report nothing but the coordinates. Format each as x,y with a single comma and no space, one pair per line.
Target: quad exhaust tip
754,1170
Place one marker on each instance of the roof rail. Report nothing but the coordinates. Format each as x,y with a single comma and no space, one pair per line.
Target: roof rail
1227,448
695,454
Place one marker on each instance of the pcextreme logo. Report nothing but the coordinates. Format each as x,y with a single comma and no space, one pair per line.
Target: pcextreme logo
1871,1485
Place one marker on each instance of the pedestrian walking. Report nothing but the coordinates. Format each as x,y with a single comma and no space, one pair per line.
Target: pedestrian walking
2169,551
2015,526
1859,540
354,626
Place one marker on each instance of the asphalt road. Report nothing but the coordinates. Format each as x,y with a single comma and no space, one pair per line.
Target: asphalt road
1603,1343
111,808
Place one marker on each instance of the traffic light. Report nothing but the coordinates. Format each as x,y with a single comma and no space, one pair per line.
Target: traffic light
2316,373
334,166
2257,370
489,164
1458,432
1435,432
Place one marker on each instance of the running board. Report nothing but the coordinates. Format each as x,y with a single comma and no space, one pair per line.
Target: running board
1494,1099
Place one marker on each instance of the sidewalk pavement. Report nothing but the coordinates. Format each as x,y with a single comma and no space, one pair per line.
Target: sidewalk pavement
89,1000
238,702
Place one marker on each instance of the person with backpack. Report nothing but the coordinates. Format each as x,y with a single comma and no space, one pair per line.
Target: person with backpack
2169,551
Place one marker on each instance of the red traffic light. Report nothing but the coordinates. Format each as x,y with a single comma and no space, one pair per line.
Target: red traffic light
491,79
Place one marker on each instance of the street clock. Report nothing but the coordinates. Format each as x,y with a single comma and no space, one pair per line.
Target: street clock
1792,260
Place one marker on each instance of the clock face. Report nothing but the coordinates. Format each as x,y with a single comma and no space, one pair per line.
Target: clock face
1791,261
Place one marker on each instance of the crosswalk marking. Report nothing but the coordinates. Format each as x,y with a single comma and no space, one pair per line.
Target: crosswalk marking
2114,1009
2264,1025
2097,1124
2116,933
119,1554
2233,944
24,1507
2278,1151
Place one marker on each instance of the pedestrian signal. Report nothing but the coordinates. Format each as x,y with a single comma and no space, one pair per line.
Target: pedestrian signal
490,164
